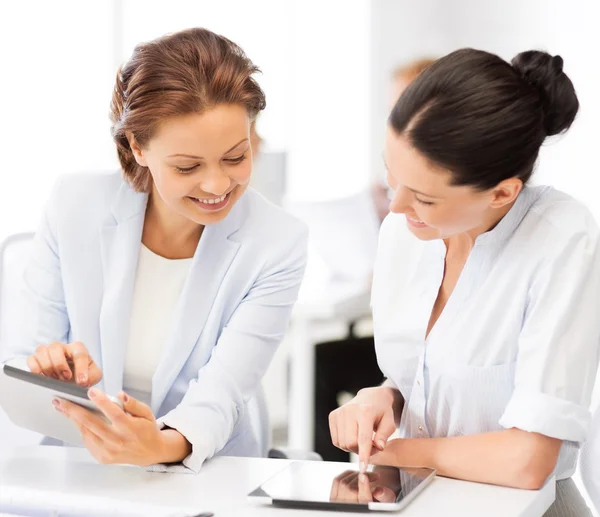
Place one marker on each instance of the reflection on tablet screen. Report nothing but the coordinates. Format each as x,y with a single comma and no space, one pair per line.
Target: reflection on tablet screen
322,482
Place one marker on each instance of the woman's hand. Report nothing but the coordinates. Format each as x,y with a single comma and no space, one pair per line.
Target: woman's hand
130,436
366,422
70,362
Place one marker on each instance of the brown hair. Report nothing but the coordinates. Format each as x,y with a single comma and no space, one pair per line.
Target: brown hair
181,73
411,70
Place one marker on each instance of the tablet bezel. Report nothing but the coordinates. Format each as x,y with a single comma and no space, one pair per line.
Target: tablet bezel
26,398
47,382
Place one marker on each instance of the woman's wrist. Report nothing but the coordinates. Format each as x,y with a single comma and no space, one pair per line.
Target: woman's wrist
174,447
409,452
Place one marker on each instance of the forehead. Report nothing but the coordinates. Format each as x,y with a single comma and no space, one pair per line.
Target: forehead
411,168
221,127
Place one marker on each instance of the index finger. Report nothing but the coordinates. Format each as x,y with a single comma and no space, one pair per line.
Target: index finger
365,440
81,362
33,365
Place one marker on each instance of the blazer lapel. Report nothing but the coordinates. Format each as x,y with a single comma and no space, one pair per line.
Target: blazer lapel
120,240
212,259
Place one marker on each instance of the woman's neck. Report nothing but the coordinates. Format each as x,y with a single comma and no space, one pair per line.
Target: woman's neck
169,234
467,240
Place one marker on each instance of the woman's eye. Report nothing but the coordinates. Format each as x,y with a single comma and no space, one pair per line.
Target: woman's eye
239,159
188,169
428,203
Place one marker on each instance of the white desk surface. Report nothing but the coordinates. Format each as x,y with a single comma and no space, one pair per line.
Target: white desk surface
223,484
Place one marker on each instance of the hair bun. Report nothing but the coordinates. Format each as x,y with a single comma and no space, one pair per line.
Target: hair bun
557,64
558,99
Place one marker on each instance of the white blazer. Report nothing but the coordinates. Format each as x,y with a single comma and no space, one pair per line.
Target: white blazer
232,315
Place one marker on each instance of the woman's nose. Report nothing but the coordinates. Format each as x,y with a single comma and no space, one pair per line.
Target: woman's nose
400,201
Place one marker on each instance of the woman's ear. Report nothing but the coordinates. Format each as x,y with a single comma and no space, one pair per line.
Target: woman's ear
138,152
506,192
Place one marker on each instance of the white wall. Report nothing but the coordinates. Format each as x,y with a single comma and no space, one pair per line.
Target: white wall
328,108
55,90
403,30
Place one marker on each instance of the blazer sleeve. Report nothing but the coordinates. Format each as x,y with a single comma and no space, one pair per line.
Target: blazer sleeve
216,399
43,318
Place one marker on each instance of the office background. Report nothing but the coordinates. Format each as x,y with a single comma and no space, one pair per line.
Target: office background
326,72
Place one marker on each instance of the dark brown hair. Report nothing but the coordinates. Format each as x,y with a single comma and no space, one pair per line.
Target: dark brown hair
484,119
182,73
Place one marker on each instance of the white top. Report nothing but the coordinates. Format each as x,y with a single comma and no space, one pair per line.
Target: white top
590,455
158,285
517,344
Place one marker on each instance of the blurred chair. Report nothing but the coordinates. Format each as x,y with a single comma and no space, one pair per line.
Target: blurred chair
14,252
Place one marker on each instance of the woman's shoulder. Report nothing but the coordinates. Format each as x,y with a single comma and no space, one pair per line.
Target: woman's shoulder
87,189
265,221
560,215
269,233
556,226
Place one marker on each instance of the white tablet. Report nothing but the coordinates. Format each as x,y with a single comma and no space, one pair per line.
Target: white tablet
27,398
334,486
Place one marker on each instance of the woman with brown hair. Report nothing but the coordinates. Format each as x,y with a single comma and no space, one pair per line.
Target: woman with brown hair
170,282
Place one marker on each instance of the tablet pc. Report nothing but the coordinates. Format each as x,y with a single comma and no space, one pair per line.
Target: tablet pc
27,398
334,486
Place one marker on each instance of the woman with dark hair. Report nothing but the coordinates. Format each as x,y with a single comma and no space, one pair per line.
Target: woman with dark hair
486,290
171,279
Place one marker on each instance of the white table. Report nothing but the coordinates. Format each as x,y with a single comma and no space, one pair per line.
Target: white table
223,484
342,303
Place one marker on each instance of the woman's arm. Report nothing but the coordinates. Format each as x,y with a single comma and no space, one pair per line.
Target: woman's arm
217,398
511,457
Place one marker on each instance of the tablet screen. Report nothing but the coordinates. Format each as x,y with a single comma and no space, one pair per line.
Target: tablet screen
322,483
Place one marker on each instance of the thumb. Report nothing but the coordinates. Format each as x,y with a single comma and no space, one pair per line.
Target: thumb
385,429
134,407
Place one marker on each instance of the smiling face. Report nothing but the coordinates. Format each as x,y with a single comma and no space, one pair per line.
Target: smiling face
433,206
200,163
